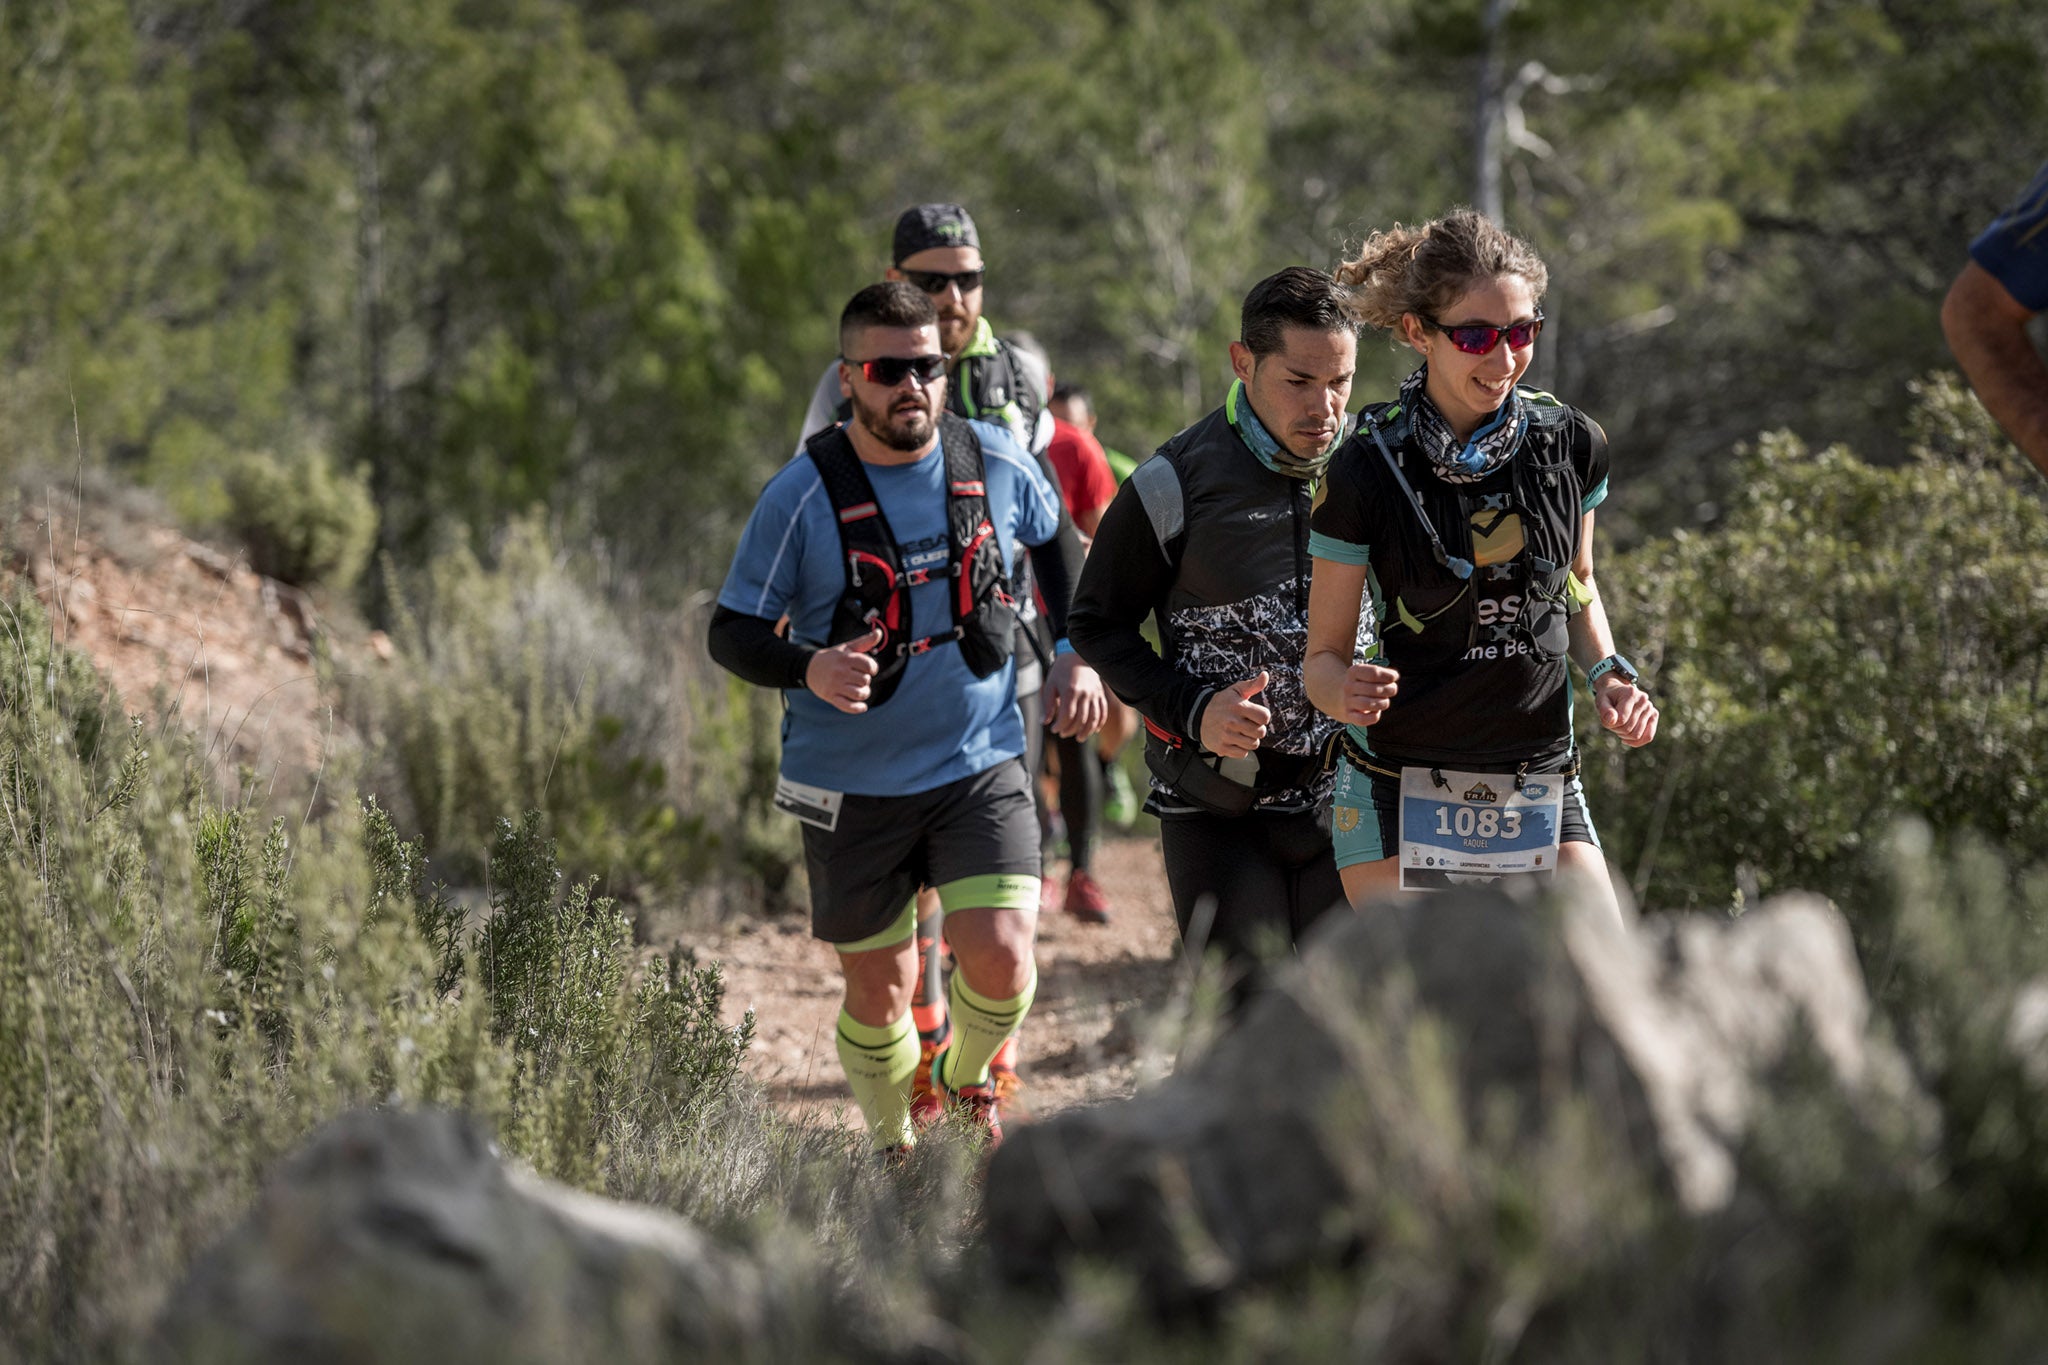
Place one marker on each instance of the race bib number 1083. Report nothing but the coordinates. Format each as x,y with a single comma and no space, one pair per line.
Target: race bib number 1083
1460,826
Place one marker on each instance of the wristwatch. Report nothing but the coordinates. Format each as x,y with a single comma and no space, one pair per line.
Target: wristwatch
1616,665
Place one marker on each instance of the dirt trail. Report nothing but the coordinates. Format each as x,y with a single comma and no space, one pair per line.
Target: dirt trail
1080,1043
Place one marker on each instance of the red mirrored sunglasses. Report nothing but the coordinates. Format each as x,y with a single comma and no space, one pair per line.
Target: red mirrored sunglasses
1479,338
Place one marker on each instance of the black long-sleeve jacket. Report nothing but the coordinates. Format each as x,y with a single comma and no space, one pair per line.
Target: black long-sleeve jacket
1214,545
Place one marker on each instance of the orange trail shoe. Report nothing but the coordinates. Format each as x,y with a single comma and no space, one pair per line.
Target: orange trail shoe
1085,901
1002,1070
978,1104
925,1104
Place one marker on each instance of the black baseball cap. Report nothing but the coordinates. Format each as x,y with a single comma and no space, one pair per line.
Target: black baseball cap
924,226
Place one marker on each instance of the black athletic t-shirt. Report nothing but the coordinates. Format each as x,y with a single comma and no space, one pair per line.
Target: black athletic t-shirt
1491,701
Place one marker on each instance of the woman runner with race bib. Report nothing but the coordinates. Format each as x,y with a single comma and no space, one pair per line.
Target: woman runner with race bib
1467,502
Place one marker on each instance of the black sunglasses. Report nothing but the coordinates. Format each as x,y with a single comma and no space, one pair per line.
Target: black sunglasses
1479,338
935,281
891,370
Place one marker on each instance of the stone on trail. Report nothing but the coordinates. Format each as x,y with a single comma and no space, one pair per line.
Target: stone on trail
1422,1031
396,1236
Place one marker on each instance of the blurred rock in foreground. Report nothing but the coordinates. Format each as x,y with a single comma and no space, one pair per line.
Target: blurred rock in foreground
1418,1040
403,1237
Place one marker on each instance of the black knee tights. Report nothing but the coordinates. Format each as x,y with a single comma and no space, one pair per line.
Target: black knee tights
1081,785
1248,885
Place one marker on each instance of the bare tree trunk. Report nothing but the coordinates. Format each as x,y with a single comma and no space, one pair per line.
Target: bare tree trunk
1490,132
364,82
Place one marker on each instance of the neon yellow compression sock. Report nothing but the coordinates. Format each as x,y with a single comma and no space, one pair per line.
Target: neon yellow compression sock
879,1063
979,1027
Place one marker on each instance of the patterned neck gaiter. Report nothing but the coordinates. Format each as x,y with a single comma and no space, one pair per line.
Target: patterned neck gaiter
1468,461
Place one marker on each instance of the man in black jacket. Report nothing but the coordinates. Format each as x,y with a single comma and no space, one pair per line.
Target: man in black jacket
1210,536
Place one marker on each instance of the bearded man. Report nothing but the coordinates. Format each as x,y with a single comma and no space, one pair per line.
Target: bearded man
888,545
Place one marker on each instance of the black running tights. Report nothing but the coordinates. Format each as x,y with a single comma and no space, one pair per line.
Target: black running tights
1248,885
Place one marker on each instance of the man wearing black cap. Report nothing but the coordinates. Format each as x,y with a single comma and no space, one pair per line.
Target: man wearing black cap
936,248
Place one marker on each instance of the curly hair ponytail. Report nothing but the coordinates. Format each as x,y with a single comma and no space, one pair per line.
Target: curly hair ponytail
1423,270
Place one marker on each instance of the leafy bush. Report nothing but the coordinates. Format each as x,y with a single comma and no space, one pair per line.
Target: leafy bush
517,687
304,522
1853,644
186,989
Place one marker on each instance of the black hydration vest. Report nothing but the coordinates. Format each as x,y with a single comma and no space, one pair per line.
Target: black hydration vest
985,386
878,586
990,387
1236,535
1430,612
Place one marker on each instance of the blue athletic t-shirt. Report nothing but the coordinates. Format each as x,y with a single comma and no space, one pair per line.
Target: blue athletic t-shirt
2014,249
943,723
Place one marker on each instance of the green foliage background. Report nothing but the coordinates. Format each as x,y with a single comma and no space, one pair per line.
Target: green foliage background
561,273
540,287
585,255
1857,642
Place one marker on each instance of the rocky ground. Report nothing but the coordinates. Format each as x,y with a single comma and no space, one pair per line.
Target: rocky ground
186,633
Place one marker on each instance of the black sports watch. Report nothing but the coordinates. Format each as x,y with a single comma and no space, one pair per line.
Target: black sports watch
1616,665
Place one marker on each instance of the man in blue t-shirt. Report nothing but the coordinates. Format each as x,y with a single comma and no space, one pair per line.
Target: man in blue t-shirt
1986,314
901,755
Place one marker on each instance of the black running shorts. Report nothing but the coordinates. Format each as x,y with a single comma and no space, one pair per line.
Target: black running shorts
974,840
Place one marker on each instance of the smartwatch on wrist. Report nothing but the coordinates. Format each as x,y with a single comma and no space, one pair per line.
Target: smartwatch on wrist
1615,664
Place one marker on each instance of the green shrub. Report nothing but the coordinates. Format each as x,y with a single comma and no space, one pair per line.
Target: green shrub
517,687
303,521
1853,644
187,988
256,953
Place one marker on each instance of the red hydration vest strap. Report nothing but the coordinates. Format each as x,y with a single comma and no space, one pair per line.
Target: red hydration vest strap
877,584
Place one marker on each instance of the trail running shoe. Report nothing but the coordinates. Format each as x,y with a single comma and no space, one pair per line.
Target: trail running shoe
925,1104
1085,901
978,1103
1002,1070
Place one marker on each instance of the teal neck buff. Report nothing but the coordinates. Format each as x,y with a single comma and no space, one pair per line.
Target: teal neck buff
1237,409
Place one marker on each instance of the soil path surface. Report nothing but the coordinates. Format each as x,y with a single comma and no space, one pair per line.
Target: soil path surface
1084,1040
